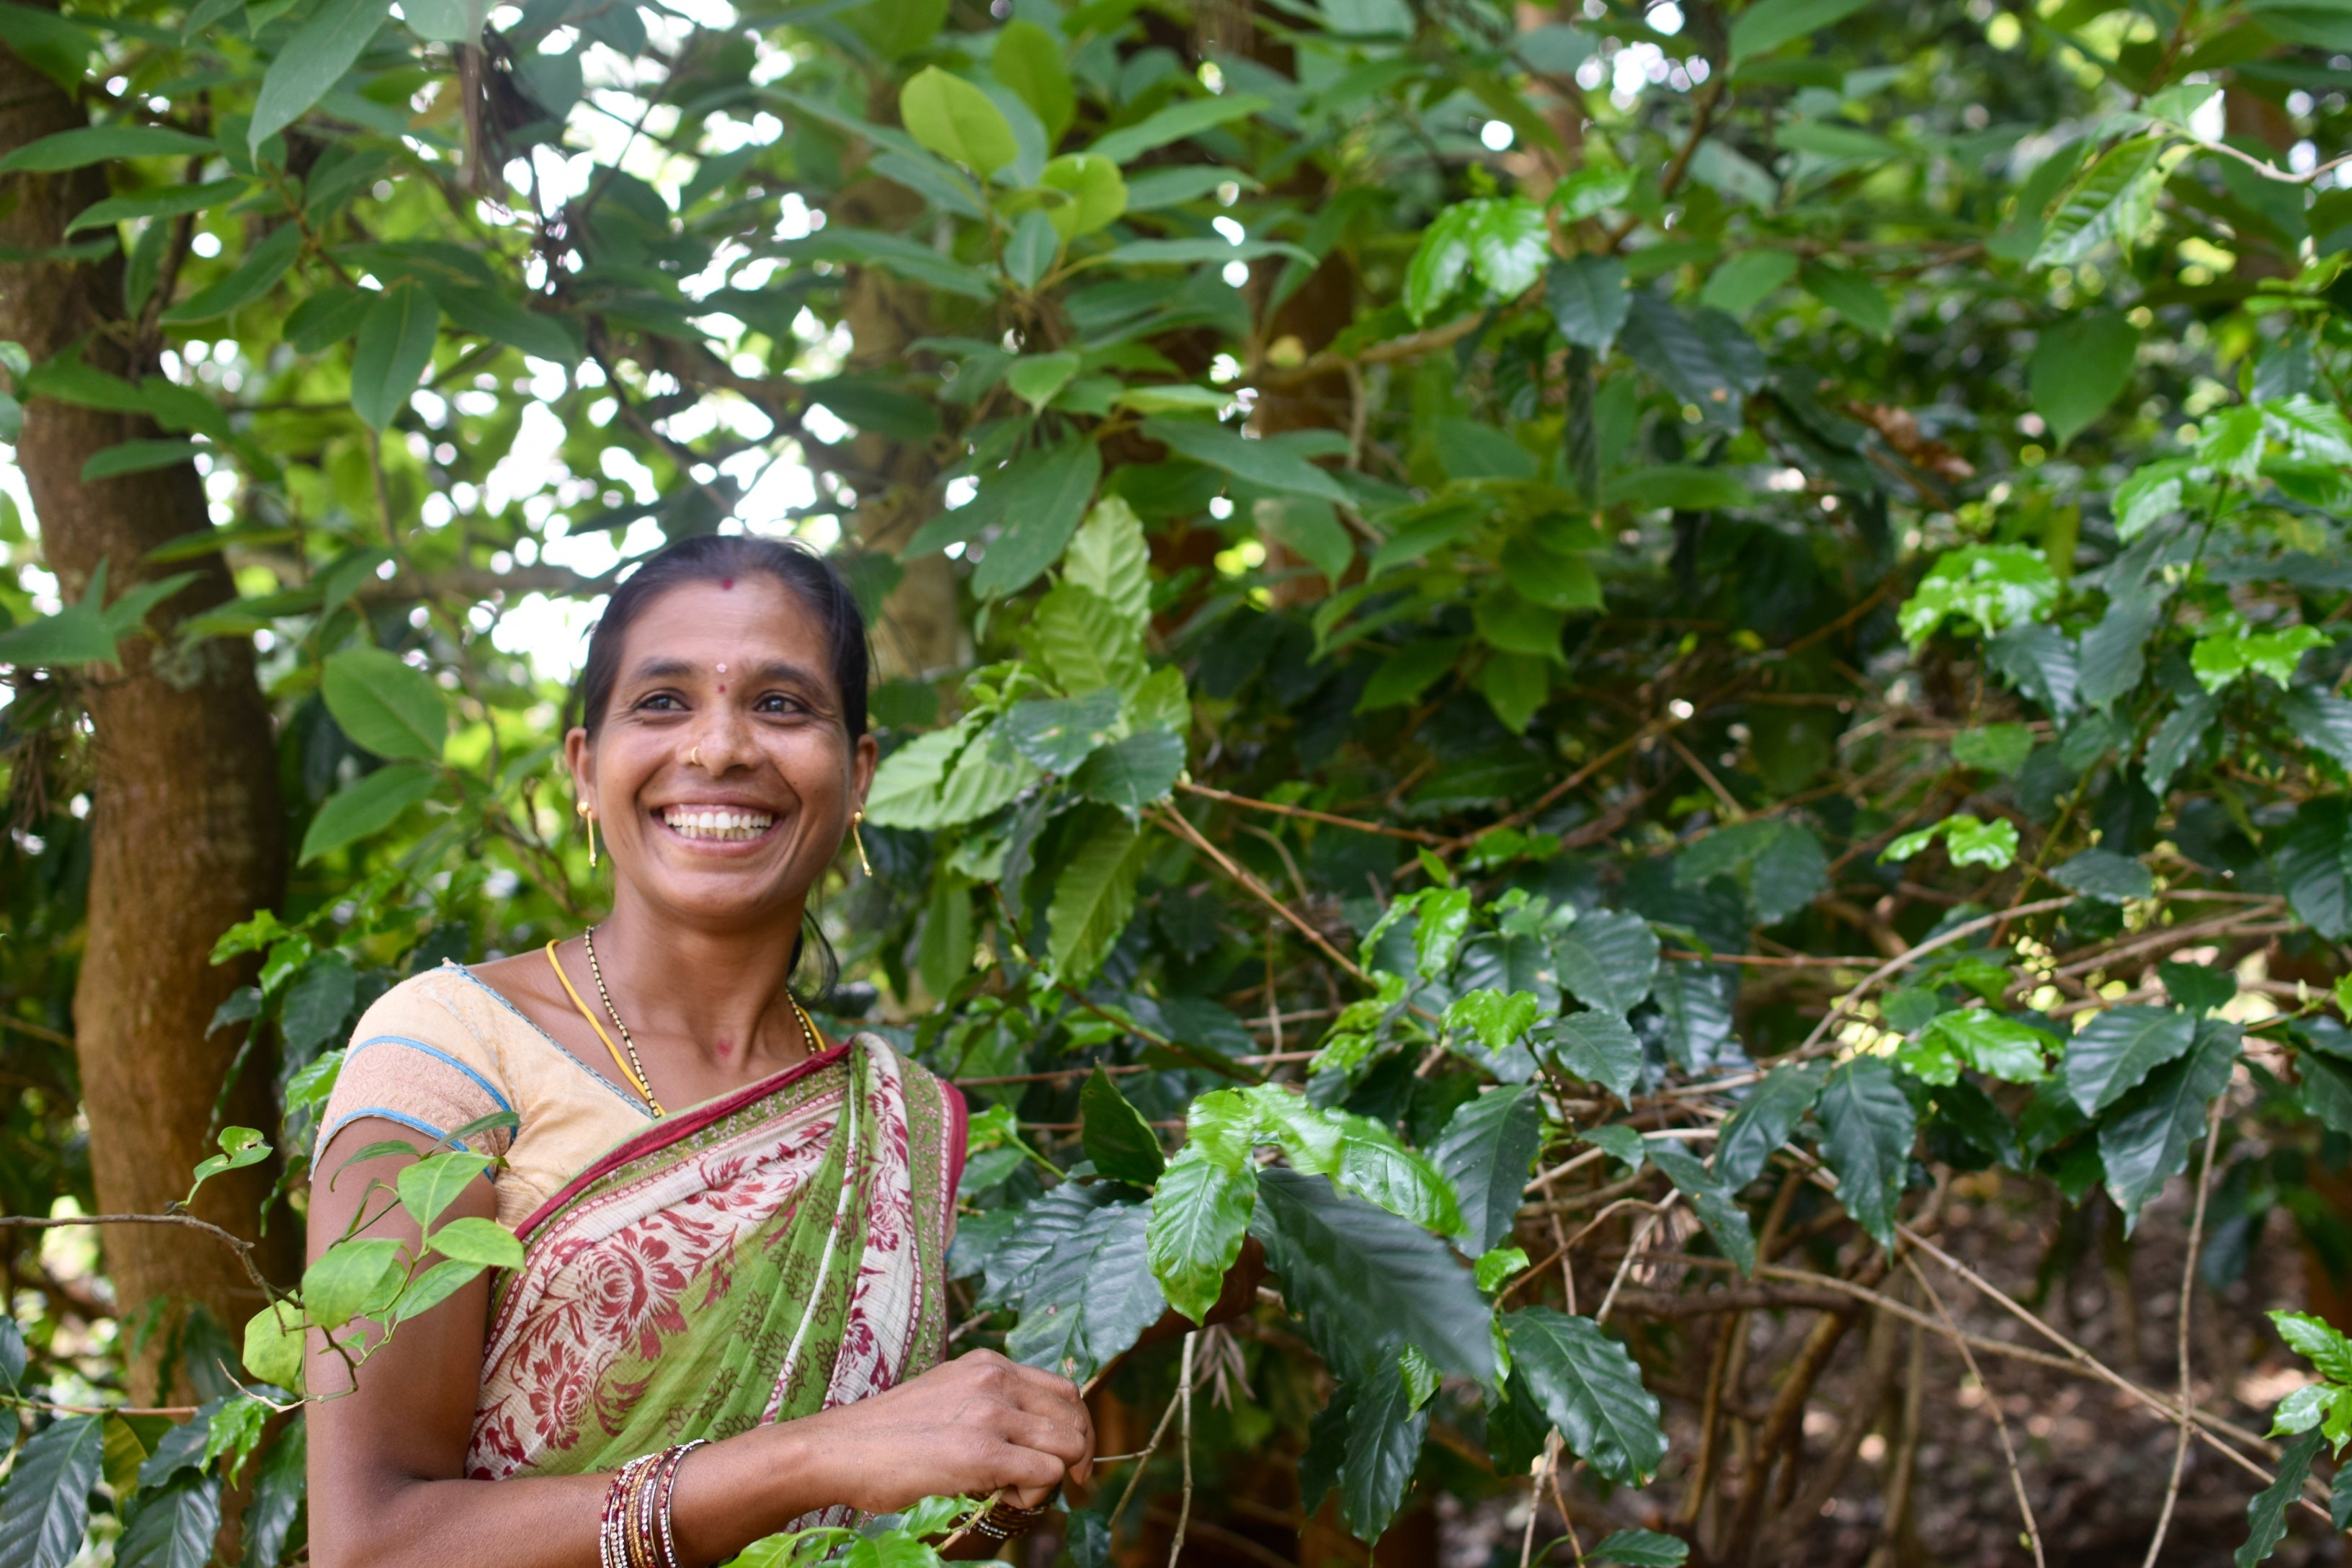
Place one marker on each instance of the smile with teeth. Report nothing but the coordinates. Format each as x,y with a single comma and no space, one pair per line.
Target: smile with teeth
716,823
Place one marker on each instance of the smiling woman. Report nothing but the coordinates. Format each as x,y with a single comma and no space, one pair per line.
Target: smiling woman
732,1229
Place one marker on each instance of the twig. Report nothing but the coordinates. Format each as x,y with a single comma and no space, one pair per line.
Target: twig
1184,1396
1149,1448
1176,823
243,1248
1901,961
1625,1264
1992,1402
1303,814
2188,1289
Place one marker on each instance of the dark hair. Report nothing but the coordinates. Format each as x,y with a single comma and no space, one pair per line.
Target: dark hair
726,558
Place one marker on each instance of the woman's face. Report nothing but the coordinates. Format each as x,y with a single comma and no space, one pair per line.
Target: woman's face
722,778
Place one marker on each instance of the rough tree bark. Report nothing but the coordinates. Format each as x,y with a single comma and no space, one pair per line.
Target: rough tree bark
188,832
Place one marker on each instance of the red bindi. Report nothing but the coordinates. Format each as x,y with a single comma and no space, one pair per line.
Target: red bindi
726,582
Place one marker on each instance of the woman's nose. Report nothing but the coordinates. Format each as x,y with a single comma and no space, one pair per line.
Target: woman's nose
721,741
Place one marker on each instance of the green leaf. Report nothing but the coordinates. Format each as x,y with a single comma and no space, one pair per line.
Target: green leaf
1094,896
1086,1302
173,1527
139,458
2114,202
896,254
433,1183
394,349
1695,1011
384,704
2267,1513
273,1346
2224,655
1606,959
1496,1018
45,1508
103,145
1084,643
279,1489
1677,485
1028,257
1498,1264
1059,735
373,802
1109,555
1386,1425
1588,299
1367,1282
1768,24
476,1240
326,318
78,634
1270,462
1035,378
2314,865
313,61
12,1356
316,1004
1590,1390
1780,863
1199,1211
240,1147
1993,1044
2317,1341
1096,194
957,121
1765,1119
1851,295
256,275
1486,1153
1993,585
1175,123
2080,366
1995,748
2104,875
1747,278
1598,1047
1406,673
346,1277
1716,1203
1030,60
2144,1140
1116,1137
1704,359
2321,720
169,201
1638,1549
1134,773
1041,507
1870,1128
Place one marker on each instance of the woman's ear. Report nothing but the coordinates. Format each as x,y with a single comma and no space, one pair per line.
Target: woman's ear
579,761
862,764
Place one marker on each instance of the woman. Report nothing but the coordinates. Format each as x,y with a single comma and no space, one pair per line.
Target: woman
734,1229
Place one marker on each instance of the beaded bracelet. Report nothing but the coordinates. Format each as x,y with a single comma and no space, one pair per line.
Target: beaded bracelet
635,1530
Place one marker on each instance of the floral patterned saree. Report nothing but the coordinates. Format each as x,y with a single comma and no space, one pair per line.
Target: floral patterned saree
768,1255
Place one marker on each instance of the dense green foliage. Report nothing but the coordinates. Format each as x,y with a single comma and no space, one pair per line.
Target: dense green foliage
1737,611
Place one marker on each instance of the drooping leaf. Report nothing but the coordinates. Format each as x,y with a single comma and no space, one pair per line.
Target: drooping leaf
279,1488
1200,1212
1486,1152
1386,1424
2145,1139
1040,507
1607,959
2114,1053
1116,1138
1870,1128
313,61
1590,1390
373,802
2267,1513
1095,895
173,1527
384,704
1764,1121
45,1507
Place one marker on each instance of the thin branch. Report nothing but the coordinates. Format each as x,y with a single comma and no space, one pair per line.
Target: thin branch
243,1248
1992,1402
1176,823
1184,1395
2187,1291
1412,835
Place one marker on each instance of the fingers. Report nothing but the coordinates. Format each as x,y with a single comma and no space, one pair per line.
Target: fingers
1037,1411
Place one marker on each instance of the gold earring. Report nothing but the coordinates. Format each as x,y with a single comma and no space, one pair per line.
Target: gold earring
590,817
858,839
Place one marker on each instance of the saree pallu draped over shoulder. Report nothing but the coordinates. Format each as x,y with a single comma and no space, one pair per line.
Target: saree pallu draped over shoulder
775,1253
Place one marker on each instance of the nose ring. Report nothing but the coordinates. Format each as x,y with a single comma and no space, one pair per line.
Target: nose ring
694,757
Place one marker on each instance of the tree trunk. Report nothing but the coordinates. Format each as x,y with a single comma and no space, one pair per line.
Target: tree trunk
186,830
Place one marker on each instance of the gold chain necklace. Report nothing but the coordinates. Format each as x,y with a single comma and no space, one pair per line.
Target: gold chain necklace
645,1085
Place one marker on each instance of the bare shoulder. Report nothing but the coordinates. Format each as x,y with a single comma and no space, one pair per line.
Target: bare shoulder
522,979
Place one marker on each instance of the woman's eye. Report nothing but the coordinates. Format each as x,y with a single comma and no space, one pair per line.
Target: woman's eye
777,702
661,702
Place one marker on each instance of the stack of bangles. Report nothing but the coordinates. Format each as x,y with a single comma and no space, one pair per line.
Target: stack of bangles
1006,1520
635,1531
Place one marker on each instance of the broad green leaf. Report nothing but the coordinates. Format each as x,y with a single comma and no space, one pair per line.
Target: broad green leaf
1030,60
1766,26
1508,247
1367,1282
1406,673
433,1183
2317,1341
1271,463
12,1356
1764,1121
315,1004
954,118
279,1489
169,201
1678,484
1039,508
1028,257
1590,1390
104,145
1115,1135
1440,262
1993,585
1870,1129
1496,1018
1780,863
1059,735
1638,1549
326,318
2313,863
896,254
2104,875
384,704
1716,1202
394,349
2081,365
896,28
273,1346
1087,1301
240,1147
1851,295
2267,1513
313,61
1746,278
444,21
2113,203
346,1277
139,458
173,1527
253,277
1199,1211
1588,299
476,1240
1175,123
2232,651
2146,1138
1085,643
45,1507
1035,378
1606,959
1109,555
1496,1265
1386,1425
1695,1011
369,806
1703,358
1596,1046
1094,895
1133,773
2321,720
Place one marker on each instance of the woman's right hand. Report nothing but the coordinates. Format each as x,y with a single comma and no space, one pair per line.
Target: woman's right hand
970,1426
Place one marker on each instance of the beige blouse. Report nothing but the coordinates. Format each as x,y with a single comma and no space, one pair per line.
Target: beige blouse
443,1049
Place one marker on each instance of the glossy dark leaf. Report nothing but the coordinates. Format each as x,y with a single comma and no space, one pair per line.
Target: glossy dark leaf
1588,1386
1715,1202
2145,1140
1870,1127
1116,1138
173,1527
1385,1427
2114,1052
1596,1047
1606,959
1765,1119
45,1507
1486,1152
2267,1513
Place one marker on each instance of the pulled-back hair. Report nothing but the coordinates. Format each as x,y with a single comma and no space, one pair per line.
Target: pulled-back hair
726,558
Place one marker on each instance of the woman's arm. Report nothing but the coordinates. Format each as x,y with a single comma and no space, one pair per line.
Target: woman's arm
387,1454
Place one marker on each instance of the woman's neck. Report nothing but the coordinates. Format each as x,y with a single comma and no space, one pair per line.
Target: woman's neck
717,997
